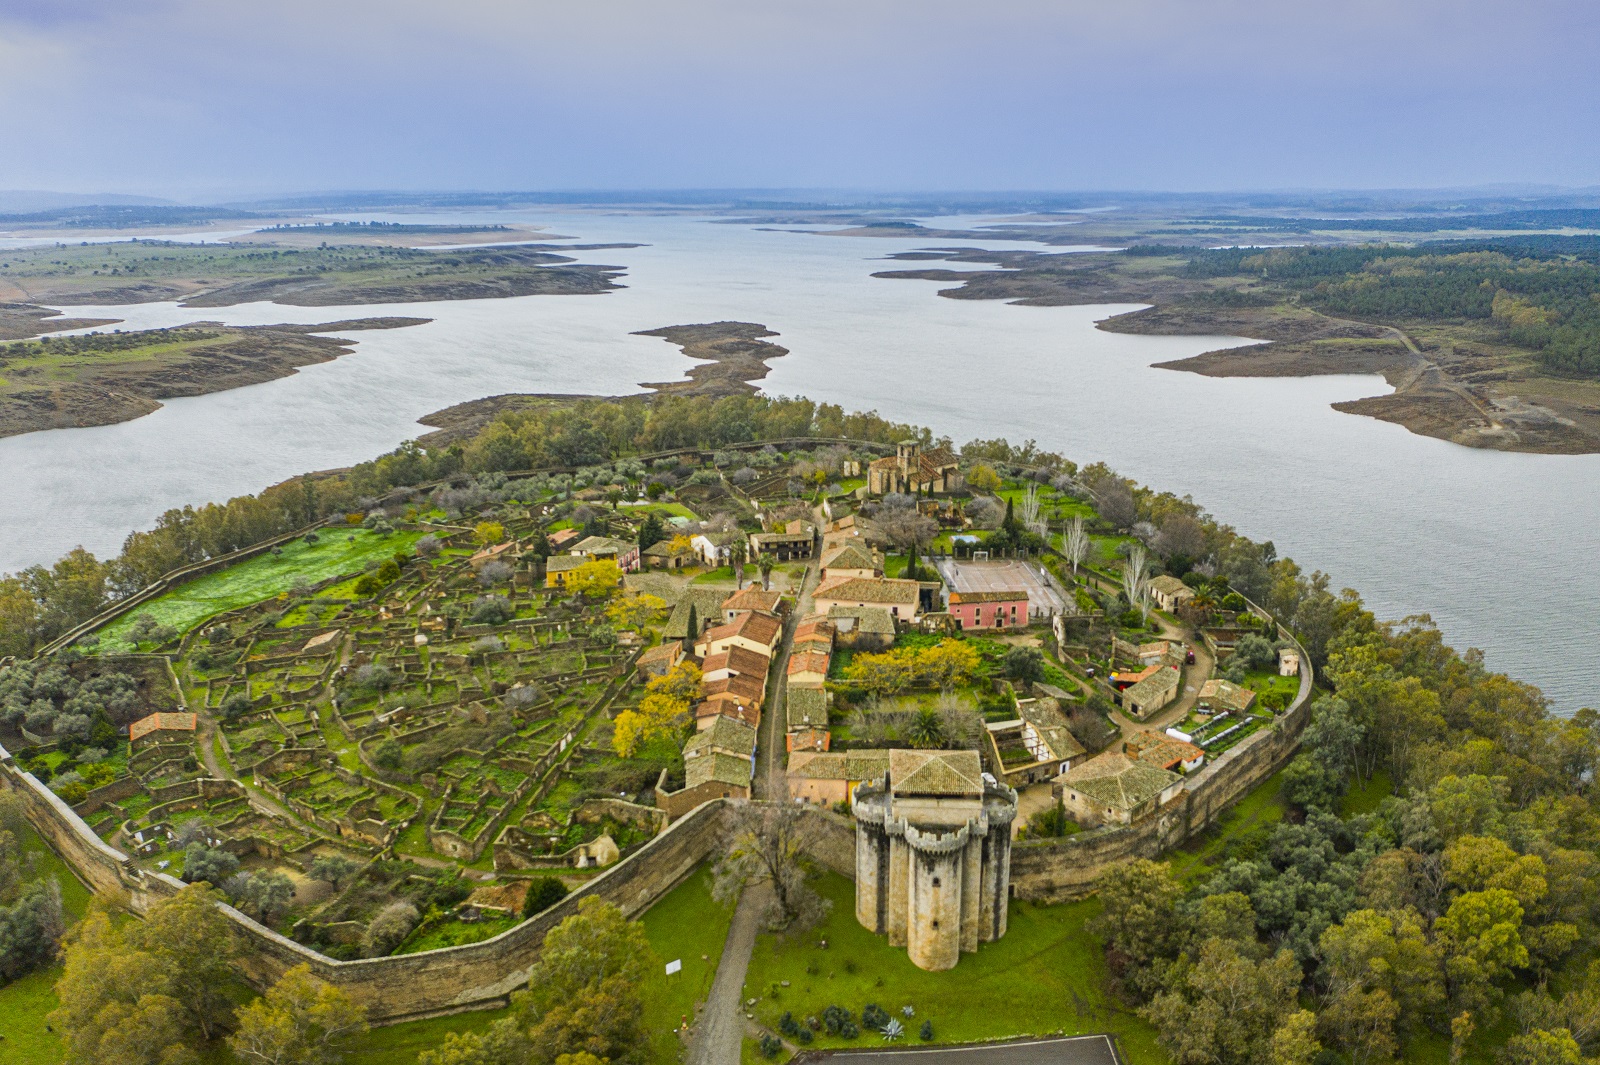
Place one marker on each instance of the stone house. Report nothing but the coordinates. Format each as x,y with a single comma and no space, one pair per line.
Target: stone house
1152,693
493,553
792,543
824,778
850,559
933,855
662,555
726,735
714,776
1288,662
1035,747
621,552
1224,695
755,632
735,661
1169,592
813,634
739,695
1113,788
659,660
915,472
809,668
862,628
989,610
806,709
561,538
714,548
751,597
1165,752
902,599
161,728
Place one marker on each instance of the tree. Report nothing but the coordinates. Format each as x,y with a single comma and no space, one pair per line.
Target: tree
264,896
488,533
659,714
491,610
1076,543
543,893
1480,935
1139,921
596,579
1371,952
682,681
334,869
651,532
490,574
1223,1008
636,611
1541,1047
983,478
1135,580
1295,1041
31,927
139,994
201,862
389,929
301,1020
1362,1024
767,847
1025,664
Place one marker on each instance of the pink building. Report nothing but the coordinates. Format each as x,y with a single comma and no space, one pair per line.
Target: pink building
990,610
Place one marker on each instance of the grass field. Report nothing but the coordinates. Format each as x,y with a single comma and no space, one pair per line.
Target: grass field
1259,810
688,926
25,1002
262,577
1046,975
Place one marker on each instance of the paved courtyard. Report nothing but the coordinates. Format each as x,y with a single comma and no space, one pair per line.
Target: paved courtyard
1082,1050
1005,575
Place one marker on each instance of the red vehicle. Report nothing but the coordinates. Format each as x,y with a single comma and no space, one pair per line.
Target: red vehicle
1188,659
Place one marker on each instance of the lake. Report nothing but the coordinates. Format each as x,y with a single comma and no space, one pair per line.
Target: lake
1490,544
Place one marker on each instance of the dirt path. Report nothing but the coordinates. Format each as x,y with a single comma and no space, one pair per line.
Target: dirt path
719,1034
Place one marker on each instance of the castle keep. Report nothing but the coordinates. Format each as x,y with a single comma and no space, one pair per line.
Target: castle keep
933,855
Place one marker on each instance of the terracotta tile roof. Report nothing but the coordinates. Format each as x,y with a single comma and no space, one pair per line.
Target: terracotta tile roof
728,706
814,625
161,722
1166,584
809,662
668,651
870,590
562,536
935,772
957,598
740,686
752,597
839,765
1165,752
1163,680
760,628
740,660
1115,780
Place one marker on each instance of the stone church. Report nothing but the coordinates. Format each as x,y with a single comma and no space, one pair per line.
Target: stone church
915,471
933,855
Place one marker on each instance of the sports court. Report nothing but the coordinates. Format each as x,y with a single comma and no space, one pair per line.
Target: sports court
1005,575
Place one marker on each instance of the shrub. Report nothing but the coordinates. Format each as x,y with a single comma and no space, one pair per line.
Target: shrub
72,792
770,1046
334,869
375,677
368,587
834,1018
926,1031
389,929
491,610
234,707
388,573
387,754
874,1016
1025,664
30,929
214,866
429,546
543,893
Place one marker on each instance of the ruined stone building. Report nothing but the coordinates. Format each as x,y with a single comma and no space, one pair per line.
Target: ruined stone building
915,471
933,855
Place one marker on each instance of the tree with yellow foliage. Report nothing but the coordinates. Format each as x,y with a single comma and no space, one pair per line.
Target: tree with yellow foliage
597,579
301,1020
636,611
659,716
983,477
683,681
488,533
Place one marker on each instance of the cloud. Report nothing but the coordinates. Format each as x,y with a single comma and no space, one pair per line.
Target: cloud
181,95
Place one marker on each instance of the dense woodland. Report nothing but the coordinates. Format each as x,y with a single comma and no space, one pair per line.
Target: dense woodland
1542,292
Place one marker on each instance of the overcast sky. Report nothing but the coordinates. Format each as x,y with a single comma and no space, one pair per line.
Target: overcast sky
222,97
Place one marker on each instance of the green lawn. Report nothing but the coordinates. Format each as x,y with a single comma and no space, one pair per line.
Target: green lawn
1364,798
262,577
1046,975
722,575
1256,812
399,1044
688,926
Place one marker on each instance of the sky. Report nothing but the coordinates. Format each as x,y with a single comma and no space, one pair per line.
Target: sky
205,99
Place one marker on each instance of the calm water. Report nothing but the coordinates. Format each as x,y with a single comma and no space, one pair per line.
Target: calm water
1494,546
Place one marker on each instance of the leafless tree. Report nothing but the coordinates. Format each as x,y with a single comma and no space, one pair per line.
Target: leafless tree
1077,543
767,847
1030,511
1133,575
985,513
906,528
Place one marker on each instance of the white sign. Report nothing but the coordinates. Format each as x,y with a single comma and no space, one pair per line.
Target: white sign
675,966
